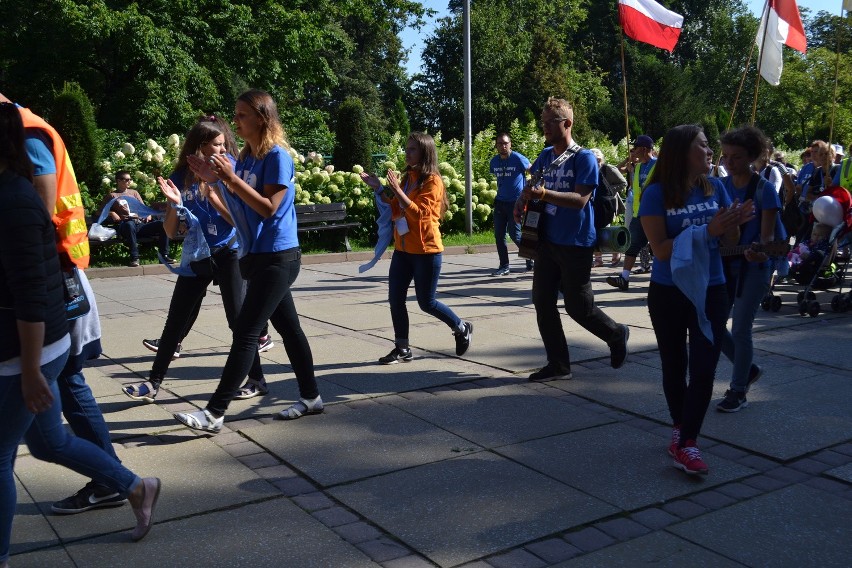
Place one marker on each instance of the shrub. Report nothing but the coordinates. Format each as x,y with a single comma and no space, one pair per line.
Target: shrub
353,141
74,119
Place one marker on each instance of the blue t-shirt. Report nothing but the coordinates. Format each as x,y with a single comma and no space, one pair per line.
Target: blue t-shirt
565,225
38,145
765,197
510,175
698,210
217,231
804,175
278,232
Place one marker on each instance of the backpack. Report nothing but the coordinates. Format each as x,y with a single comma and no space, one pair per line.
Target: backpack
605,202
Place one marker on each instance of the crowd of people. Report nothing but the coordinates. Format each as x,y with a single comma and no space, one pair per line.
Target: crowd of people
235,208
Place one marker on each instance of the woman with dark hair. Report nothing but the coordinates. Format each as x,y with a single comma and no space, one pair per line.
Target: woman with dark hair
210,136
747,276
418,203
684,214
258,193
36,345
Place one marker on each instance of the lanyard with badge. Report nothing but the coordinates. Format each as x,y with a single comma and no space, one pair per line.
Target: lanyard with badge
400,222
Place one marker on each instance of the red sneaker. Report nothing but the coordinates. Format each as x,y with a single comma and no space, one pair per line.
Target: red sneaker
688,458
675,441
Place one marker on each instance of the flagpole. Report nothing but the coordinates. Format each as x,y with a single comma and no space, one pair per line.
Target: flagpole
760,60
624,84
740,89
836,72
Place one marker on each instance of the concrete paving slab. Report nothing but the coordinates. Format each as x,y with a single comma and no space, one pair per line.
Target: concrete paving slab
843,473
30,530
423,372
493,417
801,525
126,418
575,459
462,509
819,418
824,350
55,557
191,469
357,440
356,311
274,533
658,549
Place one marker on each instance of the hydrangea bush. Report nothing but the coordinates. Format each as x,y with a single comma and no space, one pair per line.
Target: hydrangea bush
317,182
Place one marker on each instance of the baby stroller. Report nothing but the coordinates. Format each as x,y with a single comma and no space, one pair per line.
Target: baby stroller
821,264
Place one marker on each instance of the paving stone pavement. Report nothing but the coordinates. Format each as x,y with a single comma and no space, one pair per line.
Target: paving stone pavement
448,461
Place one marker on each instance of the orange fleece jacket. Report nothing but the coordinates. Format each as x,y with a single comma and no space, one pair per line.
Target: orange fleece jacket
422,216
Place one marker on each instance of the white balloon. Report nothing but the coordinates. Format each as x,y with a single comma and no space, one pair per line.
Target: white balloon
828,210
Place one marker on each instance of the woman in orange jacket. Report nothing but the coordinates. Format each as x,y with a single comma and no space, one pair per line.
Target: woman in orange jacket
418,202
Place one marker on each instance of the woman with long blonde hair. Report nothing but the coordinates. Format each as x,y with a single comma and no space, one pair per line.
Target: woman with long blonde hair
259,193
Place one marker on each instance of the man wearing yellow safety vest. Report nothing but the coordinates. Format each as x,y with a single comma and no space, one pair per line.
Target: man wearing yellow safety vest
54,180
639,167
843,176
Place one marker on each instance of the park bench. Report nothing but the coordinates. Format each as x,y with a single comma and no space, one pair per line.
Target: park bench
325,217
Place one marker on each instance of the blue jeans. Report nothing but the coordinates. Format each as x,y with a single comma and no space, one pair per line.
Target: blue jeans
746,288
47,440
82,412
504,222
424,269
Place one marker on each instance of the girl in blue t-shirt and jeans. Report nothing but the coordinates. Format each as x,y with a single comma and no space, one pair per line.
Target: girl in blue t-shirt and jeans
679,196
259,193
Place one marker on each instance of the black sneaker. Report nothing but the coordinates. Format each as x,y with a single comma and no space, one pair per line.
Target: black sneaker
154,345
502,271
552,372
754,373
618,282
265,343
618,351
398,354
733,402
463,338
92,496
530,265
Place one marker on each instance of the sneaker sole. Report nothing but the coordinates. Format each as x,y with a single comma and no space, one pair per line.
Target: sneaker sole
155,350
566,377
688,471
730,410
254,394
408,360
266,348
103,505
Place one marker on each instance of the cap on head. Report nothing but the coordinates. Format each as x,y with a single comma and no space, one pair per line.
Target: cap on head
838,149
643,141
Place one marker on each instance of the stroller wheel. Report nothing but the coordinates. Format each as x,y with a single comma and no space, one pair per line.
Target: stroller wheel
837,303
766,303
776,303
813,308
803,308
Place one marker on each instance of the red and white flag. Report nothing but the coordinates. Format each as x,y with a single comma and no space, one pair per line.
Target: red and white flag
783,26
649,22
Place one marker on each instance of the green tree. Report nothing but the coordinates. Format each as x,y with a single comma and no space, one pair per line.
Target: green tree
74,119
398,119
353,140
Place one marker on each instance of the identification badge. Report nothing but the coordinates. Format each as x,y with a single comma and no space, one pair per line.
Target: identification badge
532,219
211,229
401,226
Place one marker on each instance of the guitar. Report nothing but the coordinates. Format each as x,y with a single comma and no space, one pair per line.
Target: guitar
534,209
775,248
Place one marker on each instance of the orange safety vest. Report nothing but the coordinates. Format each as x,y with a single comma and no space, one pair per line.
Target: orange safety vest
68,215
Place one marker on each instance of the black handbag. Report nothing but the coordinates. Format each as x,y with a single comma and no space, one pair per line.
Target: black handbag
76,302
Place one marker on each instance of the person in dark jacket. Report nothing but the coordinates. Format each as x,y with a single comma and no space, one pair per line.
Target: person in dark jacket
36,344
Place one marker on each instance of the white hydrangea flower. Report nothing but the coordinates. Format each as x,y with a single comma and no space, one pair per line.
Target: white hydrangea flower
329,168
105,181
119,155
158,158
128,149
147,155
152,144
174,140
106,166
133,185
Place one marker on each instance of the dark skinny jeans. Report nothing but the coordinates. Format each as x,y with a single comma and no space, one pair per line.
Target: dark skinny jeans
130,231
567,269
186,301
673,317
268,298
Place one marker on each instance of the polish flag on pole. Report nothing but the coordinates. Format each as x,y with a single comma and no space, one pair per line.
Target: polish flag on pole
649,22
780,25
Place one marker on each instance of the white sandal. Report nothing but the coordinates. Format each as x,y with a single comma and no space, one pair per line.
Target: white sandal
200,420
301,408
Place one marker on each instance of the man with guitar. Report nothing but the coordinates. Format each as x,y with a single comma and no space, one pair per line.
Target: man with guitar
564,179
